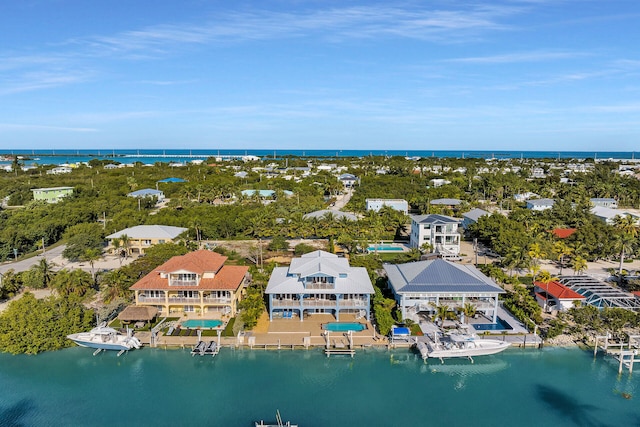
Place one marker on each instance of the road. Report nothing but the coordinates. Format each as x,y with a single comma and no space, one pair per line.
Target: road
26,264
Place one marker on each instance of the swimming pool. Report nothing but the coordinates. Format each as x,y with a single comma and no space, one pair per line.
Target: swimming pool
500,325
201,323
400,331
344,326
385,248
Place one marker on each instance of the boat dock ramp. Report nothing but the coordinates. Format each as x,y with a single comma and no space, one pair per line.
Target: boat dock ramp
624,352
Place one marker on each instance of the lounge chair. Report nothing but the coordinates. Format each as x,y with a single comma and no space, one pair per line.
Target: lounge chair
176,332
170,331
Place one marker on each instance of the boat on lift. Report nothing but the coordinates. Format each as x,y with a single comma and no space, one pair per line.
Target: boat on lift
104,337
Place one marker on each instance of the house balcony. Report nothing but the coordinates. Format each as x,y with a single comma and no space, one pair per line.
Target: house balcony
310,285
175,282
217,300
160,300
354,302
183,300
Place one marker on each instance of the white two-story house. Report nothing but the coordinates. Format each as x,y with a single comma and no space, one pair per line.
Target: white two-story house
319,282
439,231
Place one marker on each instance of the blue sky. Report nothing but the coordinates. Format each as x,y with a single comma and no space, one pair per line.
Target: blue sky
556,75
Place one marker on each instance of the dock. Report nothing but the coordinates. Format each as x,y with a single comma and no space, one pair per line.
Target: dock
624,353
338,346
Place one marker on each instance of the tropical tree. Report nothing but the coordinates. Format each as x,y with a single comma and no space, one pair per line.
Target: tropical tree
38,276
468,310
91,255
74,282
628,229
545,278
579,265
116,284
125,241
560,250
535,253
442,312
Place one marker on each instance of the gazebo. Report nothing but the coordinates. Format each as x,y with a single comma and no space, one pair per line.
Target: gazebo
137,313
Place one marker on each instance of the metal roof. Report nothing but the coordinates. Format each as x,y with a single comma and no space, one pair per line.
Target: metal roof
434,219
149,232
438,276
289,280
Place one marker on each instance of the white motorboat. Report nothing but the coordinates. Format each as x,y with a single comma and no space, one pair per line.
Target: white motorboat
103,337
463,345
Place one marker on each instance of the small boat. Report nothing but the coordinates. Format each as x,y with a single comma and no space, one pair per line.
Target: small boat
103,337
464,345
278,422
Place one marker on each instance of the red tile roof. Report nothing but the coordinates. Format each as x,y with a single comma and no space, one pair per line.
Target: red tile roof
558,290
195,262
636,293
227,277
563,233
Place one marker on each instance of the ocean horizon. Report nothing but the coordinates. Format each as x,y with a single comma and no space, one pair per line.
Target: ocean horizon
53,156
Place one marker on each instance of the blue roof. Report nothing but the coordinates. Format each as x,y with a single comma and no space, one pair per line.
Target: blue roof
173,180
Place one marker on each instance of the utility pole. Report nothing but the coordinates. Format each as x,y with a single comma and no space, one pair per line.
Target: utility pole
43,248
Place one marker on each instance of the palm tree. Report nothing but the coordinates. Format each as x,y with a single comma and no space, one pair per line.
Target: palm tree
442,312
44,269
545,278
535,253
468,310
579,264
628,229
560,249
91,255
126,244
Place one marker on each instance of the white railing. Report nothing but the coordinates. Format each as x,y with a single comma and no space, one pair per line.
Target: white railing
150,299
185,300
176,282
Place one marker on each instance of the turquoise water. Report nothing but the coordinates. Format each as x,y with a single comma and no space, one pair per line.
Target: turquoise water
183,155
344,326
500,325
550,387
201,323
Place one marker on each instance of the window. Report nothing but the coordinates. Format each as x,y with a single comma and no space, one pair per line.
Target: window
189,309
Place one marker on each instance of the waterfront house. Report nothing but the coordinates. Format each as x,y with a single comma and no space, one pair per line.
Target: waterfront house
540,204
142,237
147,193
395,204
198,282
554,296
52,194
421,286
319,282
439,231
